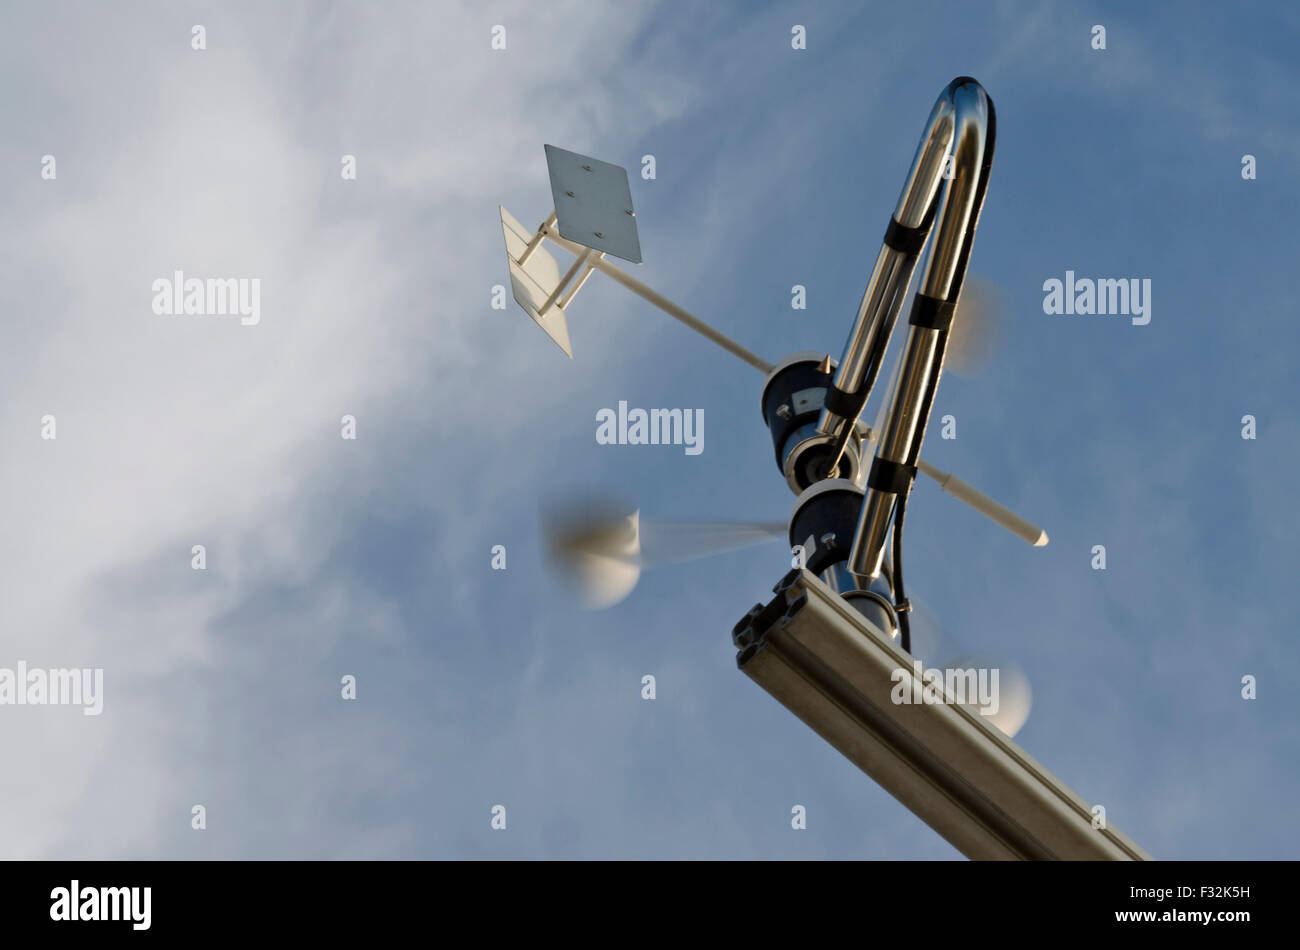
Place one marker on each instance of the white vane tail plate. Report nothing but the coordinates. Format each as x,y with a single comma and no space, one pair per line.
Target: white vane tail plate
593,203
535,281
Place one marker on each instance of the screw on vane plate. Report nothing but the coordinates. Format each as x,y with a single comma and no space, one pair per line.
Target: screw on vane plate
592,203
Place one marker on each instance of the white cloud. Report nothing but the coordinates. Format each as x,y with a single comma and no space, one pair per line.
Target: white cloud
176,430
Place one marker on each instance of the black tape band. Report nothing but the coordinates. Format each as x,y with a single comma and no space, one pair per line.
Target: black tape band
844,404
907,240
893,477
931,312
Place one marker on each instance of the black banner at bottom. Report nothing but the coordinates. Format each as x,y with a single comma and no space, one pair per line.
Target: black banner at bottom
619,900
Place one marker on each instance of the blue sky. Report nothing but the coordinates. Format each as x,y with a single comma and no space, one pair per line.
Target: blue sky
775,167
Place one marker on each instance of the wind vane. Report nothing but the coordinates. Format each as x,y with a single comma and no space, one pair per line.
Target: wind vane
837,635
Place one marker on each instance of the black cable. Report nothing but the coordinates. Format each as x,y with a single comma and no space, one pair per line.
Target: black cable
900,509
904,625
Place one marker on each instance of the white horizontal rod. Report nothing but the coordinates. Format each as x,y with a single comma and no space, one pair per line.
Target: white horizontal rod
577,285
536,242
564,281
664,304
984,504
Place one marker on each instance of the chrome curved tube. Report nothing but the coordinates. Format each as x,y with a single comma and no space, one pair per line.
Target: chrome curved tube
883,298
971,132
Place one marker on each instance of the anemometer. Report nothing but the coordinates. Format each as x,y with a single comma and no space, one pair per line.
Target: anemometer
851,480
835,644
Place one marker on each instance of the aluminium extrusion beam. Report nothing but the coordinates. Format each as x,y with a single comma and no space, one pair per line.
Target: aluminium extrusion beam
963,777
